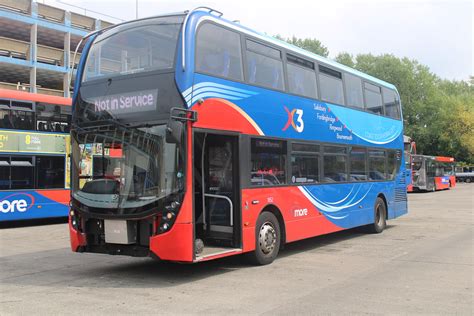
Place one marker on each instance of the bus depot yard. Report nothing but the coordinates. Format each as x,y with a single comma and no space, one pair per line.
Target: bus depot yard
422,263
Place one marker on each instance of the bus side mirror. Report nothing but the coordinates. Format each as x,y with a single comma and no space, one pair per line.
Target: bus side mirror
174,132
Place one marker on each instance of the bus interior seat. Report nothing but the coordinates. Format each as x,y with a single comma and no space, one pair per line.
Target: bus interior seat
217,64
226,64
298,84
17,122
276,79
252,70
6,122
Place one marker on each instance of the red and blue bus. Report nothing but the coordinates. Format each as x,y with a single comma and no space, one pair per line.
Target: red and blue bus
432,173
34,155
195,138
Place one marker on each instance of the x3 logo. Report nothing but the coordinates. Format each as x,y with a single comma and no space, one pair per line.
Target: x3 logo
299,125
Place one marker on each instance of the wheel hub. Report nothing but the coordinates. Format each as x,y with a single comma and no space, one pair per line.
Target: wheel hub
267,238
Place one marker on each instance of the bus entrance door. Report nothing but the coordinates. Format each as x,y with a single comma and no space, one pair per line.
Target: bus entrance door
216,187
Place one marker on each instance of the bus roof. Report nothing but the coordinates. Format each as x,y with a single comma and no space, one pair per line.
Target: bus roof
238,27
436,158
293,48
33,97
444,159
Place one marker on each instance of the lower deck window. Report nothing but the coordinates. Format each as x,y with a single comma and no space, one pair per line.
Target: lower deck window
21,173
393,163
335,164
377,165
304,168
32,172
268,161
50,172
357,165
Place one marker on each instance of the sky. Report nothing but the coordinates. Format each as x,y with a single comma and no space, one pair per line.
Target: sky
438,34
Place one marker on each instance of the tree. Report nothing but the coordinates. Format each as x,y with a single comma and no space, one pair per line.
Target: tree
438,114
345,59
310,44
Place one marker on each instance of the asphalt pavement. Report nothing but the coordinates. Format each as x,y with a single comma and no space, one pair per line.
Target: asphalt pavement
421,264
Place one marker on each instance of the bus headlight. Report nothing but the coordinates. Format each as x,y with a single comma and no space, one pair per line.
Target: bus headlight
166,220
75,220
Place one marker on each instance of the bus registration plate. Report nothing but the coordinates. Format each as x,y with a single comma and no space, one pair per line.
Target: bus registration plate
119,232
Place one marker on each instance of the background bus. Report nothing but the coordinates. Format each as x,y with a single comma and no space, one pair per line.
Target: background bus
34,151
431,173
464,174
228,142
409,149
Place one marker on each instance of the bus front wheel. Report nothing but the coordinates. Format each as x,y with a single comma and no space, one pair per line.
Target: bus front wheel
380,217
267,239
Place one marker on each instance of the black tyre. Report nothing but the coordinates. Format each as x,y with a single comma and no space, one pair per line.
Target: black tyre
468,180
267,239
380,217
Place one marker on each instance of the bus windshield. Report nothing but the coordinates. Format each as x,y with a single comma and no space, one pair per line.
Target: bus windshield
138,48
417,164
124,168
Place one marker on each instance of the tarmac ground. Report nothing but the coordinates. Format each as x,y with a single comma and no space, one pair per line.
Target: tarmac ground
422,263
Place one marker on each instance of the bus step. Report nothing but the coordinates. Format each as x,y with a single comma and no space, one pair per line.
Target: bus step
211,251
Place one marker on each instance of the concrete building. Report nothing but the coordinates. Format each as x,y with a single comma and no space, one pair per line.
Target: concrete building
37,43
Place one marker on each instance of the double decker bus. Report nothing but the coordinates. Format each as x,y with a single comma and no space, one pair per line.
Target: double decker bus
409,150
34,155
432,173
195,138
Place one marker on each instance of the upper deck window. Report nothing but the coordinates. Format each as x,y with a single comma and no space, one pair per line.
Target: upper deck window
301,77
391,103
136,49
353,86
331,85
373,98
264,66
218,52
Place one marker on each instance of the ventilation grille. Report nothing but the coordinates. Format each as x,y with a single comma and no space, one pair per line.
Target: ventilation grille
400,194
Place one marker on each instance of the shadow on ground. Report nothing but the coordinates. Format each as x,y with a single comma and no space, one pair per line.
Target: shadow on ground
104,271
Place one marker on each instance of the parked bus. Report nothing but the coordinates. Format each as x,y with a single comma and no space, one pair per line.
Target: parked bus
409,150
195,138
34,150
431,173
464,174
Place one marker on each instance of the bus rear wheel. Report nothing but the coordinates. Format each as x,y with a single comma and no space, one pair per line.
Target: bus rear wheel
380,217
267,239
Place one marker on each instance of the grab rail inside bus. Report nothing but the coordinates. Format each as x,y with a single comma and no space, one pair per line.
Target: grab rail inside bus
219,13
231,210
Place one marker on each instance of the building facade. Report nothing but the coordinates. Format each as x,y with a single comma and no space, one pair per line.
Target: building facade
37,44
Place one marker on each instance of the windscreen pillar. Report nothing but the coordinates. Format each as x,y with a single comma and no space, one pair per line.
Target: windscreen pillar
33,56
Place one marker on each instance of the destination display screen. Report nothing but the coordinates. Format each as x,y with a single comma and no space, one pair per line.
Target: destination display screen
142,98
124,103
